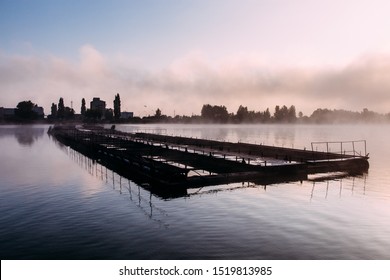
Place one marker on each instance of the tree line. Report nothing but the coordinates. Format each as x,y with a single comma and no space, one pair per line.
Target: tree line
243,115
281,114
28,111
284,114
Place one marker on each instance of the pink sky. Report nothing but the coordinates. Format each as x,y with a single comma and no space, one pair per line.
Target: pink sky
179,55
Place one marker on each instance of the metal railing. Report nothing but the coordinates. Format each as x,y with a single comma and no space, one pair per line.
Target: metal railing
342,147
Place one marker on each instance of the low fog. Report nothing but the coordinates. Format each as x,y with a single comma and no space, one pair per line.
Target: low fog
191,81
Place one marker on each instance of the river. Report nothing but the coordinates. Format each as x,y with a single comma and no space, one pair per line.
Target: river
57,204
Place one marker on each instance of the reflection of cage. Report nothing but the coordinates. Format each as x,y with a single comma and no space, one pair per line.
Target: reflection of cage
145,198
354,148
337,183
139,196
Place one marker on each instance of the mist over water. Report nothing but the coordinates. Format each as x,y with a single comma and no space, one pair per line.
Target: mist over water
58,204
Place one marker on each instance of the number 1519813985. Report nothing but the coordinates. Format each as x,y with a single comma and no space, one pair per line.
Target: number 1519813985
233,270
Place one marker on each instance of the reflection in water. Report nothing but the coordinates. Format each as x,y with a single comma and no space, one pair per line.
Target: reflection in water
25,135
71,207
140,197
334,185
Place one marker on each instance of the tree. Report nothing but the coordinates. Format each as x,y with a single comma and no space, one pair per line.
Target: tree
321,115
68,113
61,109
24,110
277,113
117,107
291,114
53,110
109,114
93,114
158,113
215,113
267,115
83,108
282,114
206,112
242,113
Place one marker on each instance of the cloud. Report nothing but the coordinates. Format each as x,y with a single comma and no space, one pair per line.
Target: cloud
193,80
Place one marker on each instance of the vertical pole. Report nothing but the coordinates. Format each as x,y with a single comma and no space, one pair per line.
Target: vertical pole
139,196
131,196
365,148
150,204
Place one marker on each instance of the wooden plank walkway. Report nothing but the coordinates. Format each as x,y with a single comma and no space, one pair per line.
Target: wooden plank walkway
173,161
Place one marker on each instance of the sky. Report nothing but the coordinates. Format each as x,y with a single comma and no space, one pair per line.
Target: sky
177,55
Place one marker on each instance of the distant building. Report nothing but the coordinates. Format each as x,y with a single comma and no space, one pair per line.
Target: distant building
126,115
98,105
39,111
6,113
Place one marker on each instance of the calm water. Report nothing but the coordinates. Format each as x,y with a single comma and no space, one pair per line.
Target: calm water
57,204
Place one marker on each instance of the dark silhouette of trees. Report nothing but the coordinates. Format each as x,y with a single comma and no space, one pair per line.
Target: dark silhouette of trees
61,109
369,116
242,114
277,114
117,107
24,111
266,115
321,115
291,114
215,113
53,110
93,115
68,113
83,108
344,116
158,117
109,114
284,114
280,114
158,113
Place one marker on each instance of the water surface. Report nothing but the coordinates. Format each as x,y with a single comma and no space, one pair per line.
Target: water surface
58,204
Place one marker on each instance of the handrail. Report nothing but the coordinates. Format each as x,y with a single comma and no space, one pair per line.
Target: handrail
352,142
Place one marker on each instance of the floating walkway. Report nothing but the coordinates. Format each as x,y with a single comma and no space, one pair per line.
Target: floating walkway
181,162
